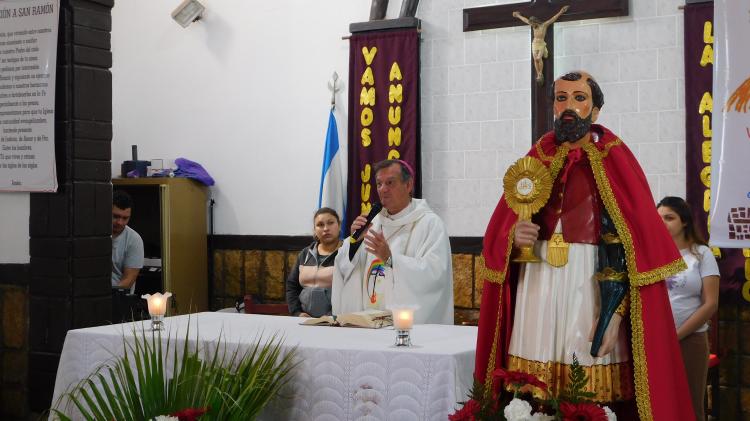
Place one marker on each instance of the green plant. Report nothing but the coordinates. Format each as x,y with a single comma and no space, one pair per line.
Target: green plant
231,385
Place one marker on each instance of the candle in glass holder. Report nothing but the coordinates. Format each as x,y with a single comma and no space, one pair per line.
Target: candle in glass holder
403,319
157,303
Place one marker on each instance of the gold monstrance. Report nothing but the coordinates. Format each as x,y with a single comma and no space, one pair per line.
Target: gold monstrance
527,185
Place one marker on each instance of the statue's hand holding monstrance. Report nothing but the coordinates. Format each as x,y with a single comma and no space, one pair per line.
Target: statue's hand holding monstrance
527,185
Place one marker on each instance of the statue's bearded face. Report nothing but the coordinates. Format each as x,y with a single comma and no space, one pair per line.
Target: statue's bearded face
574,109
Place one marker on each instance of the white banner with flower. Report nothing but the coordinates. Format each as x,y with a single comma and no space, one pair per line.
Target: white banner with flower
730,184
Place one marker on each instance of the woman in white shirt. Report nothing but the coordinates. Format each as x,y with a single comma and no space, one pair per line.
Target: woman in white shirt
694,294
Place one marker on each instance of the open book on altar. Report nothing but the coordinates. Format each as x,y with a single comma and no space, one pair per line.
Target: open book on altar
372,319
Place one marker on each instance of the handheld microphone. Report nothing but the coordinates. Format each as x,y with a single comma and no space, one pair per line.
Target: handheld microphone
376,207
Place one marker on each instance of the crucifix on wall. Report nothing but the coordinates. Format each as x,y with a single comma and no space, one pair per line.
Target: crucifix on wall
541,13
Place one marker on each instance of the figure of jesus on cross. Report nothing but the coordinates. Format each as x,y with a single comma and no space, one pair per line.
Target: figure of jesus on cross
538,45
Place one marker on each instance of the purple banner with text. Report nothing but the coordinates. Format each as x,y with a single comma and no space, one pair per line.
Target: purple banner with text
383,110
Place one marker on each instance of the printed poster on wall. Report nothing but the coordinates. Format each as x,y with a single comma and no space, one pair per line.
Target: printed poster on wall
28,57
730,178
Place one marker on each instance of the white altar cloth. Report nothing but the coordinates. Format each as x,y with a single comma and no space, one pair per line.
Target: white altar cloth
344,373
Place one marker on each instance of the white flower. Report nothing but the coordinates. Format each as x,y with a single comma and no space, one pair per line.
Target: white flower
610,415
541,417
166,418
517,410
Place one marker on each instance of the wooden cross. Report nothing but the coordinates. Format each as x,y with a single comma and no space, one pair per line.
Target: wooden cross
501,16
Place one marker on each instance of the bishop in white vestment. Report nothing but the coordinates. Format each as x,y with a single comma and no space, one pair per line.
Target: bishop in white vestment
405,258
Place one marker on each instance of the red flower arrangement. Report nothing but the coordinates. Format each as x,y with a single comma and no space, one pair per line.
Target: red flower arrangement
582,412
467,413
190,414
518,378
572,405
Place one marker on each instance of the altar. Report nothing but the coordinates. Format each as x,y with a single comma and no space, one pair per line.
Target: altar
343,373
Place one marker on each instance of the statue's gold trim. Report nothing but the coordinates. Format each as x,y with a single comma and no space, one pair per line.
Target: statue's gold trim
500,280
557,250
611,238
609,274
610,203
640,365
624,306
609,383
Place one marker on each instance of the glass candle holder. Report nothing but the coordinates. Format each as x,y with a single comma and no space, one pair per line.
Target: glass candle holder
157,308
403,321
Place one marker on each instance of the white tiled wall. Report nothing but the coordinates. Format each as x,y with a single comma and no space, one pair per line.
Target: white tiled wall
476,99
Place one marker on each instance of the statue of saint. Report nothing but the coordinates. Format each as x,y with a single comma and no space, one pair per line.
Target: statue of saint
538,46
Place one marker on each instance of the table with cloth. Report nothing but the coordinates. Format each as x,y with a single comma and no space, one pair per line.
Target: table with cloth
344,373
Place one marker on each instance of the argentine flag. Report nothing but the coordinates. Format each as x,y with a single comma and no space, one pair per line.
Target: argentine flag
332,193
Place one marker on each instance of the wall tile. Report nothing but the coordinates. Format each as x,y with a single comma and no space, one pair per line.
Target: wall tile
465,136
435,137
497,135
582,39
456,21
620,97
522,136
490,190
672,126
435,192
448,165
671,63
451,52
639,65
480,164
514,104
671,185
513,45
449,108
603,67
463,193
482,49
427,105
480,107
497,76
464,79
639,127
657,95
643,8
522,75
426,53
658,158
669,7
565,64
435,81
657,32
610,121
621,36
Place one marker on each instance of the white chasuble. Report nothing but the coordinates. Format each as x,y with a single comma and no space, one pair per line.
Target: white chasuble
421,271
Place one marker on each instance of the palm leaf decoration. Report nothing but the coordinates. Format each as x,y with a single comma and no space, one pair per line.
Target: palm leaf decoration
140,385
